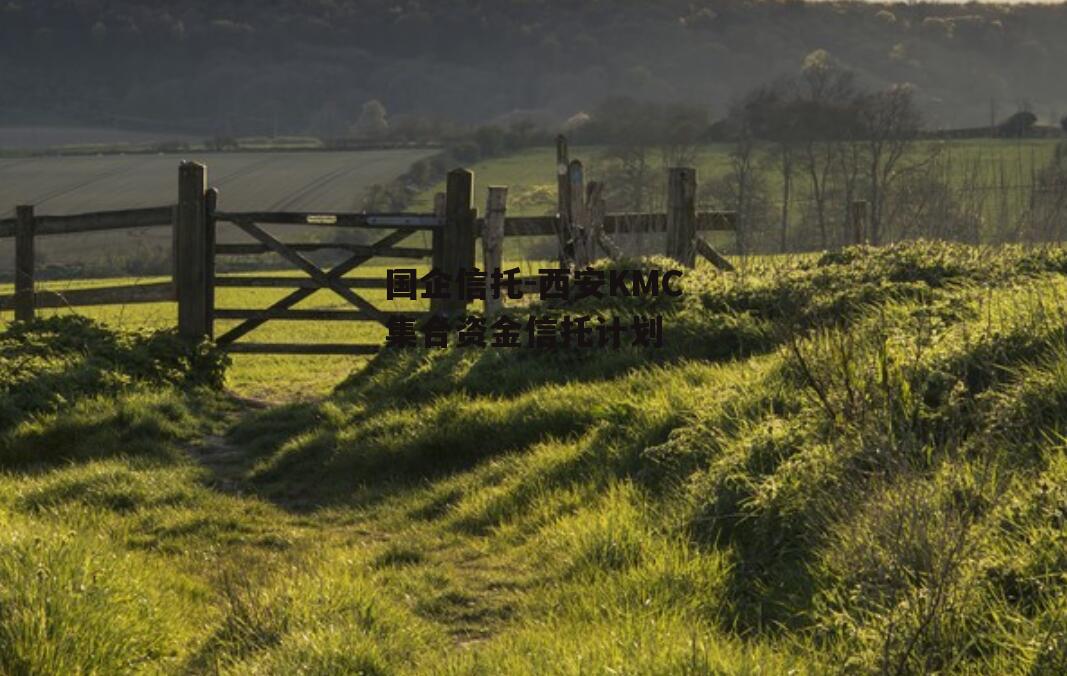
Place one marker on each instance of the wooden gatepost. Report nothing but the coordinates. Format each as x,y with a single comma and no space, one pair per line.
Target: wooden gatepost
195,253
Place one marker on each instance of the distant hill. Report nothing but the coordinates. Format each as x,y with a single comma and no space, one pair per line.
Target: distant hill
307,66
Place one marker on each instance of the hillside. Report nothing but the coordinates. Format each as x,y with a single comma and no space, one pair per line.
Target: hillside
850,462
307,66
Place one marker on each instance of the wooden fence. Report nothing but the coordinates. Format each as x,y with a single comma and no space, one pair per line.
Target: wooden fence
582,225
27,226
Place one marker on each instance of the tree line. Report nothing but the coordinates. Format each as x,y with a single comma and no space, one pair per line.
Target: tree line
230,67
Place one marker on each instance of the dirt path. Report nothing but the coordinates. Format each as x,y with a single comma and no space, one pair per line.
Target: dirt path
473,594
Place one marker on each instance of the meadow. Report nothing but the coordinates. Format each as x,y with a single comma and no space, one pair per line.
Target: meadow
333,181
849,462
840,462
987,180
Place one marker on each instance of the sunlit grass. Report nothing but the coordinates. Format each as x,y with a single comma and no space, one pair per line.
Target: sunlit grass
778,490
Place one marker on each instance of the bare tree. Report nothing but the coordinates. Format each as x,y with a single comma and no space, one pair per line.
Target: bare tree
890,122
827,115
743,189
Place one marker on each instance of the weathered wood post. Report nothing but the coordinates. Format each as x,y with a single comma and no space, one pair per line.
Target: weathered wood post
682,215
577,250
859,221
25,293
194,253
459,234
496,210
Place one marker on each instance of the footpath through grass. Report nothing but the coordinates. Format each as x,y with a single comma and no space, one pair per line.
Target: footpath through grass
852,463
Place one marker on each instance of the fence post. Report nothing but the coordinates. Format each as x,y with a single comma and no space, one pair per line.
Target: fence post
859,221
682,215
193,255
25,301
459,235
496,210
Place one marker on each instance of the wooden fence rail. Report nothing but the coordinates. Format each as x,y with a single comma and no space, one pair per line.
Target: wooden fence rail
27,226
94,222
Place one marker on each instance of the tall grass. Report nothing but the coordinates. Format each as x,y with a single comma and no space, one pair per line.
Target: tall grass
846,463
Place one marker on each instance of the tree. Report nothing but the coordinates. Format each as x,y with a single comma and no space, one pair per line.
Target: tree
770,114
1018,125
372,122
827,117
889,122
1063,124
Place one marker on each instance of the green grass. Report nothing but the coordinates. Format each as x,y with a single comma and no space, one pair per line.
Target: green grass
851,462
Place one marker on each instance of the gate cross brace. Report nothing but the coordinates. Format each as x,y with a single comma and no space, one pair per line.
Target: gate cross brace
330,278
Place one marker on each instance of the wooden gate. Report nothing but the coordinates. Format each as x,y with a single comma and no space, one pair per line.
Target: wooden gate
451,227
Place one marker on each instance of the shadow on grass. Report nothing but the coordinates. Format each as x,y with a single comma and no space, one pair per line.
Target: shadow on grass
72,390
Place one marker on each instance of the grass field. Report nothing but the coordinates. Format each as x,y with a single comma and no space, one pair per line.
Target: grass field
41,138
313,181
842,463
976,166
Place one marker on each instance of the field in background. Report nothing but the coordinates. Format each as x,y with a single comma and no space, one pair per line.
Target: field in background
246,181
531,174
41,138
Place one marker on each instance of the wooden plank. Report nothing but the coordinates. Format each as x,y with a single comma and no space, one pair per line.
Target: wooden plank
193,254
681,215
161,292
24,263
515,225
105,220
336,274
311,269
496,209
458,251
298,349
334,219
362,249
713,256
311,315
260,281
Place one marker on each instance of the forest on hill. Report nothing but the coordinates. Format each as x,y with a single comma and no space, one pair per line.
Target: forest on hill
309,66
